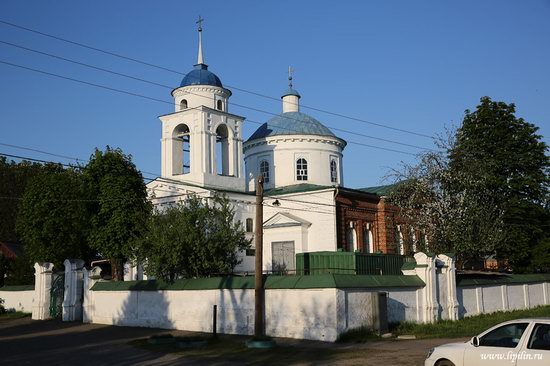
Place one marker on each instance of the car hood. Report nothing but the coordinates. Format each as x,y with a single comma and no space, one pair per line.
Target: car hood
458,345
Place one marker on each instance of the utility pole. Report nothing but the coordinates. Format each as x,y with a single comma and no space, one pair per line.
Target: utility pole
259,293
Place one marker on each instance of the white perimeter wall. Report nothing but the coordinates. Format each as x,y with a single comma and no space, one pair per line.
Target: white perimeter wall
305,314
316,314
18,300
475,300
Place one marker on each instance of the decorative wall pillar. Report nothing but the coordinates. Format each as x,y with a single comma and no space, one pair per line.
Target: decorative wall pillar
43,275
426,270
72,299
90,277
449,274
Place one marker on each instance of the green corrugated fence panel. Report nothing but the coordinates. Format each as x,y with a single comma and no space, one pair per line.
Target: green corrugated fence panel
315,263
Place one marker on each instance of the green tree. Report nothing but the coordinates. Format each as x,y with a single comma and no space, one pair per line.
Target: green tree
484,191
53,220
120,207
13,181
508,157
196,238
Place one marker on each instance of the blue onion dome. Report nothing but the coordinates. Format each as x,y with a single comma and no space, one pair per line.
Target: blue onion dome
291,123
201,76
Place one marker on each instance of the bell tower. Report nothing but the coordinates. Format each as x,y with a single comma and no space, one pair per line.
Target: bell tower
201,141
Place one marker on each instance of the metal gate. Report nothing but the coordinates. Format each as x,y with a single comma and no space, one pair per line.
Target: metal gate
56,295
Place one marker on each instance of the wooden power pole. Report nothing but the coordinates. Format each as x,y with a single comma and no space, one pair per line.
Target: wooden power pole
259,293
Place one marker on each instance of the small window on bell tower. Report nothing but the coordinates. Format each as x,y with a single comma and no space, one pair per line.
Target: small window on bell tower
183,104
219,105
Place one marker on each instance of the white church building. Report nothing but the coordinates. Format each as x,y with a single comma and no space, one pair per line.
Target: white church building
305,210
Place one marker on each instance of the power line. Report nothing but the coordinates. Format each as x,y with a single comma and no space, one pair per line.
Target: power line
181,74
171,103
177,182
202,96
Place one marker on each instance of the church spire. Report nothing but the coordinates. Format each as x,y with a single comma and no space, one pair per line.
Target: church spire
200,59
291,97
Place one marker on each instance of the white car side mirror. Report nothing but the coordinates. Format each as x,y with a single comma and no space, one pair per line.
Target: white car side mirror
475,341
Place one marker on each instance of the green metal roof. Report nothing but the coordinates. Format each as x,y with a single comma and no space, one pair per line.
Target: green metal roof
271,282
501,279
295,188
380,190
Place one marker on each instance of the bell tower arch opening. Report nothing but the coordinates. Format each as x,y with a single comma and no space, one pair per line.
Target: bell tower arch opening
223,154
181,150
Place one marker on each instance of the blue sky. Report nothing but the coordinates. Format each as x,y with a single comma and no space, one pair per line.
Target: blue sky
410,65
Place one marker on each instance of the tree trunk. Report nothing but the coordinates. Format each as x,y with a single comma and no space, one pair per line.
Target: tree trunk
117,269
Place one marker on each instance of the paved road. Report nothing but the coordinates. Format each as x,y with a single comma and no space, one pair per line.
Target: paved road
28,342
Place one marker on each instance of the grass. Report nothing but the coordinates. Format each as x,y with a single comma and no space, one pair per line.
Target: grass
233,349
358,335
467,327
14,315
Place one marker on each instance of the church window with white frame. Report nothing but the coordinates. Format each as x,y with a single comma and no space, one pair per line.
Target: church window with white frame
333,171
264,170
301,169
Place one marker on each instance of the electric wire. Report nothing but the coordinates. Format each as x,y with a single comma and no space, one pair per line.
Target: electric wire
181,74
171,103
204,96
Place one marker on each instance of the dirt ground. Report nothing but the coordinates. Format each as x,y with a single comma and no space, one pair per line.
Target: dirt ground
27,342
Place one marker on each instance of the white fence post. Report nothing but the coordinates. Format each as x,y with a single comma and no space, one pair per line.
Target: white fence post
72,298
425,269
90,277
43,273
449,273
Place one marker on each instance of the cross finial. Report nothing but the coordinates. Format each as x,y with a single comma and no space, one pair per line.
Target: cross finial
290,72
200,59
199,22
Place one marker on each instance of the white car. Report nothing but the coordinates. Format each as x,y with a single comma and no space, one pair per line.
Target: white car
518,342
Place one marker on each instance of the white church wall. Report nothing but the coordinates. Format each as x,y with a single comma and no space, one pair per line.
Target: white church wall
316,207
283,151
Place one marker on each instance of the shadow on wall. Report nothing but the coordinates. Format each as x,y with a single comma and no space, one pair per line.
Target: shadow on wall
396,311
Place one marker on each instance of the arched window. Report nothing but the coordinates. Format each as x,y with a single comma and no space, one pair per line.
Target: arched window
222,150
301,169
181,150
219,105
249,225
183,104
399,240
368,242
351,237
333,171
264,170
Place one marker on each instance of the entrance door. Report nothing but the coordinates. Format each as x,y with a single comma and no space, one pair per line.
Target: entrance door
282,256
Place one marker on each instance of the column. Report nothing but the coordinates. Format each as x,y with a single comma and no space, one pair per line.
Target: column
72,299
43,275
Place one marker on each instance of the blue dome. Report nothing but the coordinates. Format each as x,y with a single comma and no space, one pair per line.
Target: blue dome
291,91
201,76
291,123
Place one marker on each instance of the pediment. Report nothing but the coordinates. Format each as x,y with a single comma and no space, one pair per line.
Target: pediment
283,219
